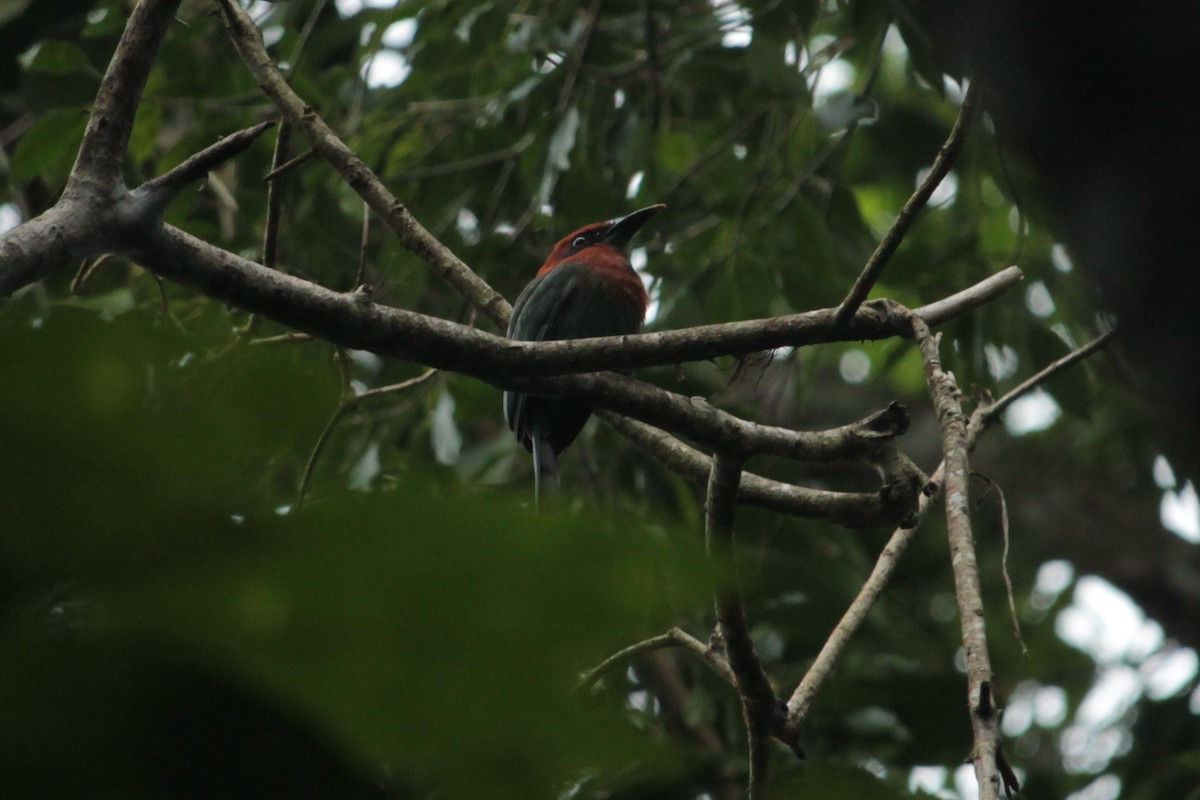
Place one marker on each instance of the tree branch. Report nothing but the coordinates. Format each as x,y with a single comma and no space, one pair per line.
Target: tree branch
44,244
888,506
984,717
822,667
351,320
410,233
987,415
983,418
759,704
945,159
161,190
676,637
356,322
102,153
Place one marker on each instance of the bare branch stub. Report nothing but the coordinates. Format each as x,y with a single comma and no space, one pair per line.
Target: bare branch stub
165,187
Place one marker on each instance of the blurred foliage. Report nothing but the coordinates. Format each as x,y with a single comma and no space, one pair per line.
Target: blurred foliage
172,626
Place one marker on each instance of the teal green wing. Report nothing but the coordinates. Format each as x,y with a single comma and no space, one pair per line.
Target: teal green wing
572,301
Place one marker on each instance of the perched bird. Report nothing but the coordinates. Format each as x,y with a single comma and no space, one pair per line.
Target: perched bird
587,287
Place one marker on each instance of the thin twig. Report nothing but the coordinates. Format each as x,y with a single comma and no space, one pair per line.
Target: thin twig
843,145
302,39
86,271
990,413
270,248
1008,584
283,338
578,55
349,403
409,232
676,637
908,213
276,171
831,652
481,160
362,246
270,251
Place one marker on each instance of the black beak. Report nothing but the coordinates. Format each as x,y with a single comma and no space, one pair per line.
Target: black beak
624,229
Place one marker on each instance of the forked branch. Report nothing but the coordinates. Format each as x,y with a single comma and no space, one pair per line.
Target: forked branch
983,418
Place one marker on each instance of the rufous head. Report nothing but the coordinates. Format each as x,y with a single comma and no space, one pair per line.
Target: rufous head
613,235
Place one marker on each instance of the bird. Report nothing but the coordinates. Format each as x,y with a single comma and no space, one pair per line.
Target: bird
586,287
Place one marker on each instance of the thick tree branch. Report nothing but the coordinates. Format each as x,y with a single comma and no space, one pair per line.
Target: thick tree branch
888,506
101,156
354,321
947,155
411,234
68,232
985,722
44,244
96,219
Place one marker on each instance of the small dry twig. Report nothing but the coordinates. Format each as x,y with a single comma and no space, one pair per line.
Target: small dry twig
349,403
947,155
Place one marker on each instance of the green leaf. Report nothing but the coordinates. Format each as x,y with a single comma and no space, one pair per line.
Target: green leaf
676,151
111,304
1071,389
11,9
434,634
837,112
922,54
812,251
56,58
766,66
836,782
869,19
49,147
562,142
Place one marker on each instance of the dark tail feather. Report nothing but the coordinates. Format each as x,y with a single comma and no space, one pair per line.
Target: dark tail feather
545,467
